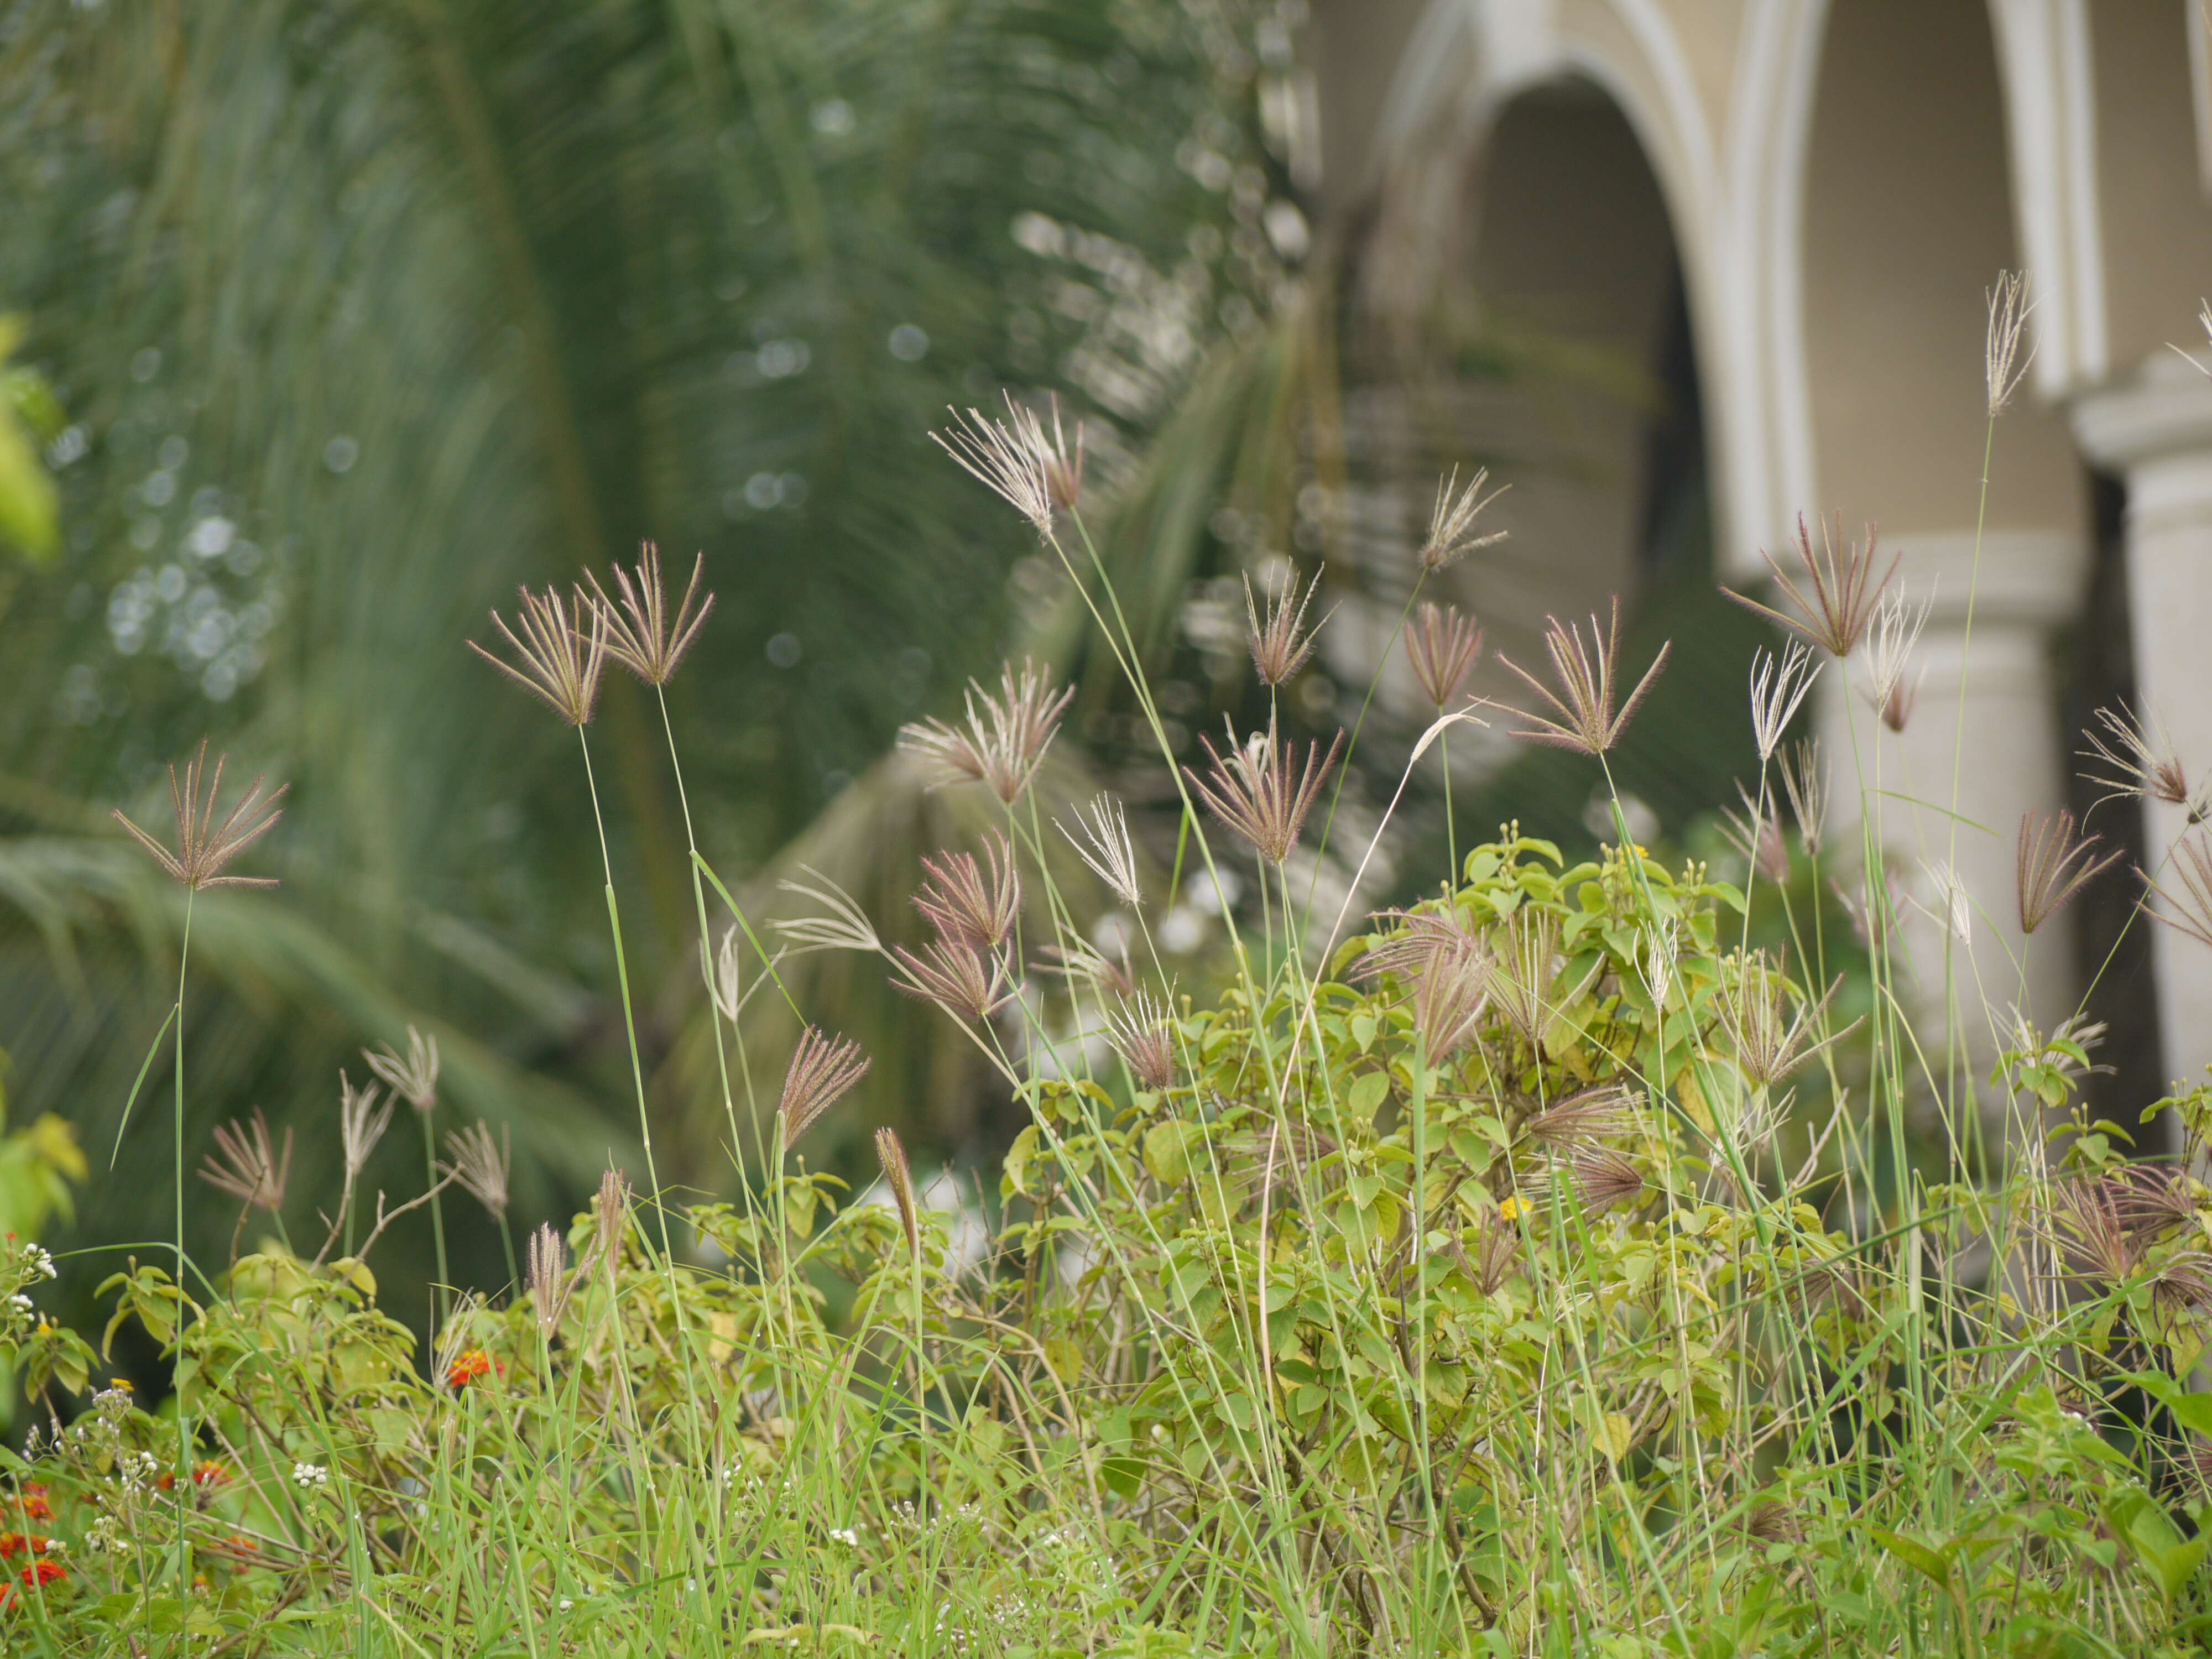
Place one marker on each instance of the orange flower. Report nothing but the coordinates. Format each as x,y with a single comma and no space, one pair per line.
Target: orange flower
17,1543
212,1473
31,1498
474,1363
37,1575
239,1550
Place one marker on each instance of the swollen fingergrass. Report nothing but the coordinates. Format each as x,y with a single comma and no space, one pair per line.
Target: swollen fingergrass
1475,1283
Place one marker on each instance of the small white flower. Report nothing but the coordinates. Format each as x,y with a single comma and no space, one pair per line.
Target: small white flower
310,1477
20,1302
138,1467
566,1603
845,1535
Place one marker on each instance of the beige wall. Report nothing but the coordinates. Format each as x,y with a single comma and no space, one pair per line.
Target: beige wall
2156,235
1908,219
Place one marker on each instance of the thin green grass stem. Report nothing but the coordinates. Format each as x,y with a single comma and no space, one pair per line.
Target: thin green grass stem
184,1429
437,1212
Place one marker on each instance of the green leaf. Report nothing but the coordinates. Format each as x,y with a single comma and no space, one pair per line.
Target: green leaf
1123,1475
2190,1411
1167,1151
1931,1564
1365,1096
1017,1178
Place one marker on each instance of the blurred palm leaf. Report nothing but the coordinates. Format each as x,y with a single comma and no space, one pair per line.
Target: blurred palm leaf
364,312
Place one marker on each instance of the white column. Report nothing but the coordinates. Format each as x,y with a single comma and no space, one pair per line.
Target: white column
2155,430
2012,762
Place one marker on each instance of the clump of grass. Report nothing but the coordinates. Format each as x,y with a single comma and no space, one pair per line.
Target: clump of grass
1476,1282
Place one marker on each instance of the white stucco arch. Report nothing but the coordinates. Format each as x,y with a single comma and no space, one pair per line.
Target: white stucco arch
2102,148
1466,59
1733,171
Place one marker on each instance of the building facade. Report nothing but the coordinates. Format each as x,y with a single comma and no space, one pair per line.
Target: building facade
1838,184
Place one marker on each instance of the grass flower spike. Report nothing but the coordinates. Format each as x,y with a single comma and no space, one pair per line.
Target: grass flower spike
548,1280
1421,934
1805,781
1441,648
609,1220
1778,691
2003,368
413,1080
1773,1040
1101,841
562,645
1080,960
1451,521
845,928
1839,598
1583,1118
363,1116
247,1165
1141,1035
726,986
2053,864
1605,1179
2138,760
1034,471
1002,741
1583,717
204,847
1257,792
1948,905
1893,691
481,1165
823,1071
963,903
2189,910
1446,965
957,977
1281,642
1451,990
1756,834
640,634
1525,980
899,1177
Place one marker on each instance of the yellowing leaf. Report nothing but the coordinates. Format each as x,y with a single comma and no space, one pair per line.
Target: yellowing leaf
29,510
1065,1355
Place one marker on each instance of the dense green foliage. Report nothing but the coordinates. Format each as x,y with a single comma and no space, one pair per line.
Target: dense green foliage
1462,1301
